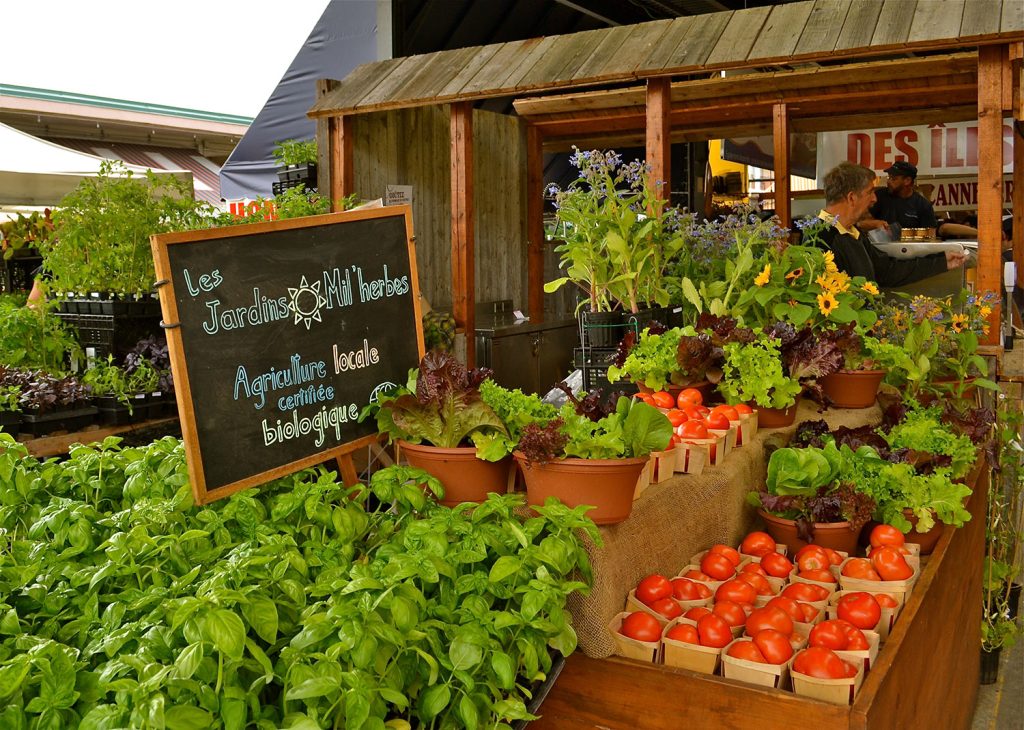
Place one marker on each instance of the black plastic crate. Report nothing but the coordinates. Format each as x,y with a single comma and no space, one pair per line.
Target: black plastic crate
594,362
108,334
16,273
281,186
66,420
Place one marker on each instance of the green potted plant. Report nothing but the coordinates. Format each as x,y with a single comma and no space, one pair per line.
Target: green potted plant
753,373
111,393
592,453
865,364
436,420
10,408
297,159
34,337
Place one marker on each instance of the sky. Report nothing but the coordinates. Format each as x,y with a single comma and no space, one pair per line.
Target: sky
210,55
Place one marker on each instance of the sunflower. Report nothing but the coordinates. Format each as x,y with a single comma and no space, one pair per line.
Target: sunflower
841,282
795,274
985,311
830,262
824,282
870,288
764,276
827,303
959,323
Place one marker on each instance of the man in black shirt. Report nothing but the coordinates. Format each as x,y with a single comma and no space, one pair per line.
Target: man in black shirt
898,202
849,192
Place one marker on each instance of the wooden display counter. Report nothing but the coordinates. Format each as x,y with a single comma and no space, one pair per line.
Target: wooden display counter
926,675
60,443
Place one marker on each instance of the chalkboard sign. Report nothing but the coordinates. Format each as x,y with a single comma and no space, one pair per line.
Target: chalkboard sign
280,333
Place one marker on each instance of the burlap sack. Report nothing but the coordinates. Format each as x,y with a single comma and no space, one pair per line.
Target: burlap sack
677,518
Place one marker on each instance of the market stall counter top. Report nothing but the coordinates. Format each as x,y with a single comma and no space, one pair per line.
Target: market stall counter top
673,520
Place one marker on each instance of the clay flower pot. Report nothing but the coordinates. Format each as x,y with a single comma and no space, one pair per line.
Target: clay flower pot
852,388
927,540
835,535
776,417
465,477
605,484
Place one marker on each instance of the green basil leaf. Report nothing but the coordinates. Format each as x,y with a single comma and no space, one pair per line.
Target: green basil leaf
504,567
502,665
314,687
225,631
261,613
188,660
463,654
433,701
185,717
468,713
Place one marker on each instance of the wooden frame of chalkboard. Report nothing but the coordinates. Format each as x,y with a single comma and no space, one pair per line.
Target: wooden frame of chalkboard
313,315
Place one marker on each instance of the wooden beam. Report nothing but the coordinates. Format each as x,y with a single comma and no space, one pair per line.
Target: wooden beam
1018,199
463,234
659,141
342,173
535,223
990,177
780,133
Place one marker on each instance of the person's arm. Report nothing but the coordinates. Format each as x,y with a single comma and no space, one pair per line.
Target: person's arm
870,224
891,271
949,229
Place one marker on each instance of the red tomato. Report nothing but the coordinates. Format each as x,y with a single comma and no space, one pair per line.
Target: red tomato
730,612
759,582
885,600
717,421
886,535
697,575
684,633
860,568
774,645
646,398
812,557
754,568
890,563
668,608
806,592
663,399
695,413
791,607
689,397
743,409
822,576
688,590
713,631
747,651
834,558
731,553
810,612
728,411
641,626
769,617
717,566
830,635
757,544
860,609
676,417
776,565
736,591
693,430
697,613
653,588
856,641
822,663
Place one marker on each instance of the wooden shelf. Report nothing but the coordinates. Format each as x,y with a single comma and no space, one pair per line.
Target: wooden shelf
60,443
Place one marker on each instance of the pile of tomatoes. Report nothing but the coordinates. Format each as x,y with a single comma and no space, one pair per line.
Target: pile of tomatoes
758,605
691,420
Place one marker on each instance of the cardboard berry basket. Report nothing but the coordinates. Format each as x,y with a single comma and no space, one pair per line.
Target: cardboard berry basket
700,454
712,584
885,622
898,589
775,676
634,604
643,651
696,658
728,435
830,587
866,656
913,558
748,428
836,691
804,627
661,467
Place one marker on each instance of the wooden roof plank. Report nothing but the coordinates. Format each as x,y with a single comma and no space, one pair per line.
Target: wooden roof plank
981,17
356,85
699,41
860,23
384,91
662,53
564,58
893,27
614,39
1013,17
739,36
781,30
437,70
641,41
493,73
936,19
454,86
823,26
519,71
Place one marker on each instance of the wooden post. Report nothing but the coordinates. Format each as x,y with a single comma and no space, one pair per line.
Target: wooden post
659,137
463,241
535,222
990,178
780,131
342,176
1017,115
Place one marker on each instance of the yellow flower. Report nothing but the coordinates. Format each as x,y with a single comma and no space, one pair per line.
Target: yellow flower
841,281
824,282
795,274
830,262
985,328
985,311
870,288
827,303
764,276
959,322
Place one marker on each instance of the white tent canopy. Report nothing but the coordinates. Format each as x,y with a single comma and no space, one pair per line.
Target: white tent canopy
34,172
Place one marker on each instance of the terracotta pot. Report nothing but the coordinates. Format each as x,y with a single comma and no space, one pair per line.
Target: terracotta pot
927,540
927,398
835,535
465,477
606,484
776,417
853,388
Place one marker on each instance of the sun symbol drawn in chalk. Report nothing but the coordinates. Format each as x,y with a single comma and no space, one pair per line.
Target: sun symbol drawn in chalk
306,301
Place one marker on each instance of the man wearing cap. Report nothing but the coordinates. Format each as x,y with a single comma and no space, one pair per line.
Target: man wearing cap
898,202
